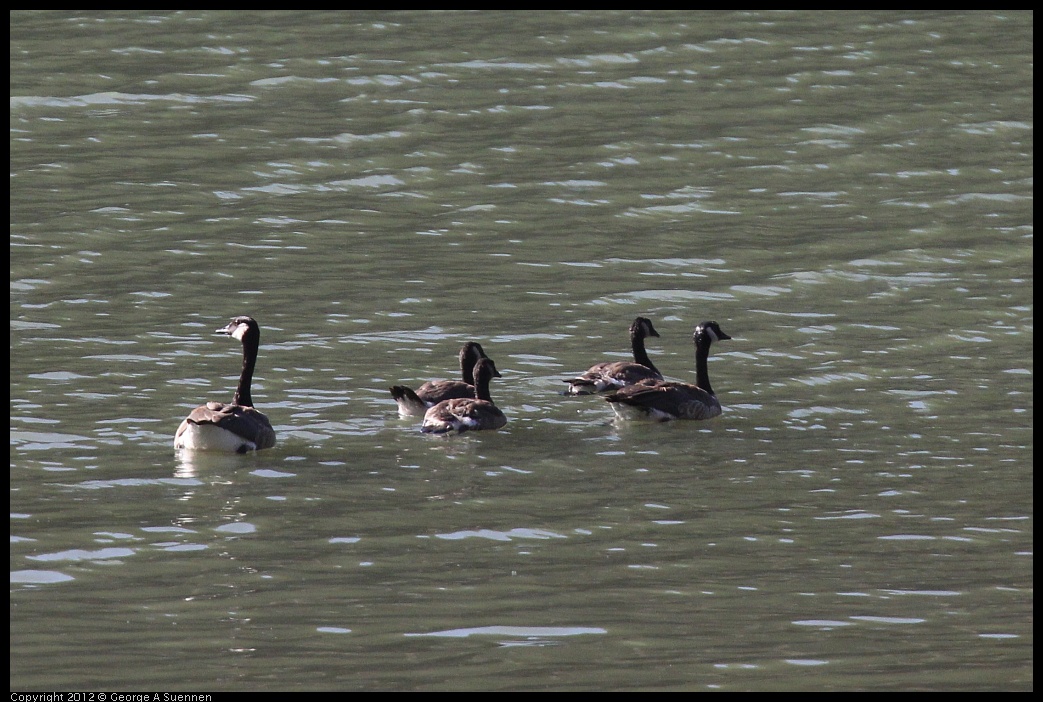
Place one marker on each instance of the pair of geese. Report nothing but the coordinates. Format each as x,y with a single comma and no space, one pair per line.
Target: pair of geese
638,390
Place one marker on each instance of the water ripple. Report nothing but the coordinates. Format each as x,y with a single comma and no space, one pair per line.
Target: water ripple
519,631
501,535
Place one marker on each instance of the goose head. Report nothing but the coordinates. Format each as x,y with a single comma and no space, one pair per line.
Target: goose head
642,328
241,328
708,332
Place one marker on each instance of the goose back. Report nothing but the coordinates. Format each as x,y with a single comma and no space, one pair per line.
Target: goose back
221,426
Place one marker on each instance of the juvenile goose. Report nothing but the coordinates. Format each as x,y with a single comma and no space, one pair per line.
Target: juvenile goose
238,427
662,401
612,375
415,403
467,414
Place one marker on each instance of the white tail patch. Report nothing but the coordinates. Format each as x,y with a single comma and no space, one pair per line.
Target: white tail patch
207,437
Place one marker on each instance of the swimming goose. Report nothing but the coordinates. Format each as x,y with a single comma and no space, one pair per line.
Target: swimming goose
238,427
612,375
415,403
467,414
662,401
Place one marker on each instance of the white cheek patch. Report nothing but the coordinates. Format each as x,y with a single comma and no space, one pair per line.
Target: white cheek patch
713,335
240,332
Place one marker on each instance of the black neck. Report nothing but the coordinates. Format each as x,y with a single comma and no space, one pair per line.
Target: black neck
637,342
481,385
242,392
468,374
702,376
468,357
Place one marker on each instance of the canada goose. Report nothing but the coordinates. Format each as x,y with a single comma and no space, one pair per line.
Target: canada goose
663,400
467,414
612,375
415,403
238,427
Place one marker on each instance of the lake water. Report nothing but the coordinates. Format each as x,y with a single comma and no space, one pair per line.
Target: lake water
849,194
